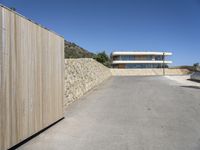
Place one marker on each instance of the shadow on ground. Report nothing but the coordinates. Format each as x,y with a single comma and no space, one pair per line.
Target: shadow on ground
193,87
193,80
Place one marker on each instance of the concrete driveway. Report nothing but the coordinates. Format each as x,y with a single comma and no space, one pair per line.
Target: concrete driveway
128,113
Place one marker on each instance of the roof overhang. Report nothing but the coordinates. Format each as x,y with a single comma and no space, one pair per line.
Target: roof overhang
141,53
140,62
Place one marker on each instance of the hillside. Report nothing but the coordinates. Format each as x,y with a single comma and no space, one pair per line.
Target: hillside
74,51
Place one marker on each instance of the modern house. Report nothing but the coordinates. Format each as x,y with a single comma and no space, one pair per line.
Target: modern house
133,59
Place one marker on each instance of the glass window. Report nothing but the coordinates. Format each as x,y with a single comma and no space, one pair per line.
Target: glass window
126,57
158,58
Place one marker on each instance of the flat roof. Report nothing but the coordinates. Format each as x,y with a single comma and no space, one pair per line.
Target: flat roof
139,53
1,5
141,62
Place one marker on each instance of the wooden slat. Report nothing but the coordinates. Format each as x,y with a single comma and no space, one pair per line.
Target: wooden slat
31,78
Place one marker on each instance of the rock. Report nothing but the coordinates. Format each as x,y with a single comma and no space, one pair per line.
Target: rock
195,76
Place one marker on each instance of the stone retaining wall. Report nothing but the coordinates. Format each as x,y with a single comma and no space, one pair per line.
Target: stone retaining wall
81,75
147,72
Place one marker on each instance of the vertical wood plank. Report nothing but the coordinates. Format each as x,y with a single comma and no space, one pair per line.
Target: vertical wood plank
31,78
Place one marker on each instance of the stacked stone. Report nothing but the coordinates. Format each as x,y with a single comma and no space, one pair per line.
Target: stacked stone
81,75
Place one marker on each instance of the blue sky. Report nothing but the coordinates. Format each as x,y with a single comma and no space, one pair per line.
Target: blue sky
142,25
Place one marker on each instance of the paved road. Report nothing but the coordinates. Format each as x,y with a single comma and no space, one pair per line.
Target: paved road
128,113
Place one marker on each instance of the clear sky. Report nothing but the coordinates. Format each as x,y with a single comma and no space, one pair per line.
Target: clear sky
142,25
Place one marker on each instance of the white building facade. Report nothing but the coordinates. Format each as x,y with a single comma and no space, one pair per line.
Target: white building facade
133,59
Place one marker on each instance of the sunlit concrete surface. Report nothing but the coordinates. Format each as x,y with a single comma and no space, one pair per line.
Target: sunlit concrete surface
128,113
184,80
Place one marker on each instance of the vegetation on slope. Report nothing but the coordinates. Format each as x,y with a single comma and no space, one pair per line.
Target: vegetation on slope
103,58
74,51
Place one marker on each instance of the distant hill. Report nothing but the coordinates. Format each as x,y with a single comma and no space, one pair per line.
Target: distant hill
74,51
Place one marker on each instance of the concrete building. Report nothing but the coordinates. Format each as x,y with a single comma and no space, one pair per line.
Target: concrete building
133,59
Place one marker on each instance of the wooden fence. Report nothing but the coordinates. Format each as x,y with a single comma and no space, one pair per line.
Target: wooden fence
31,78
